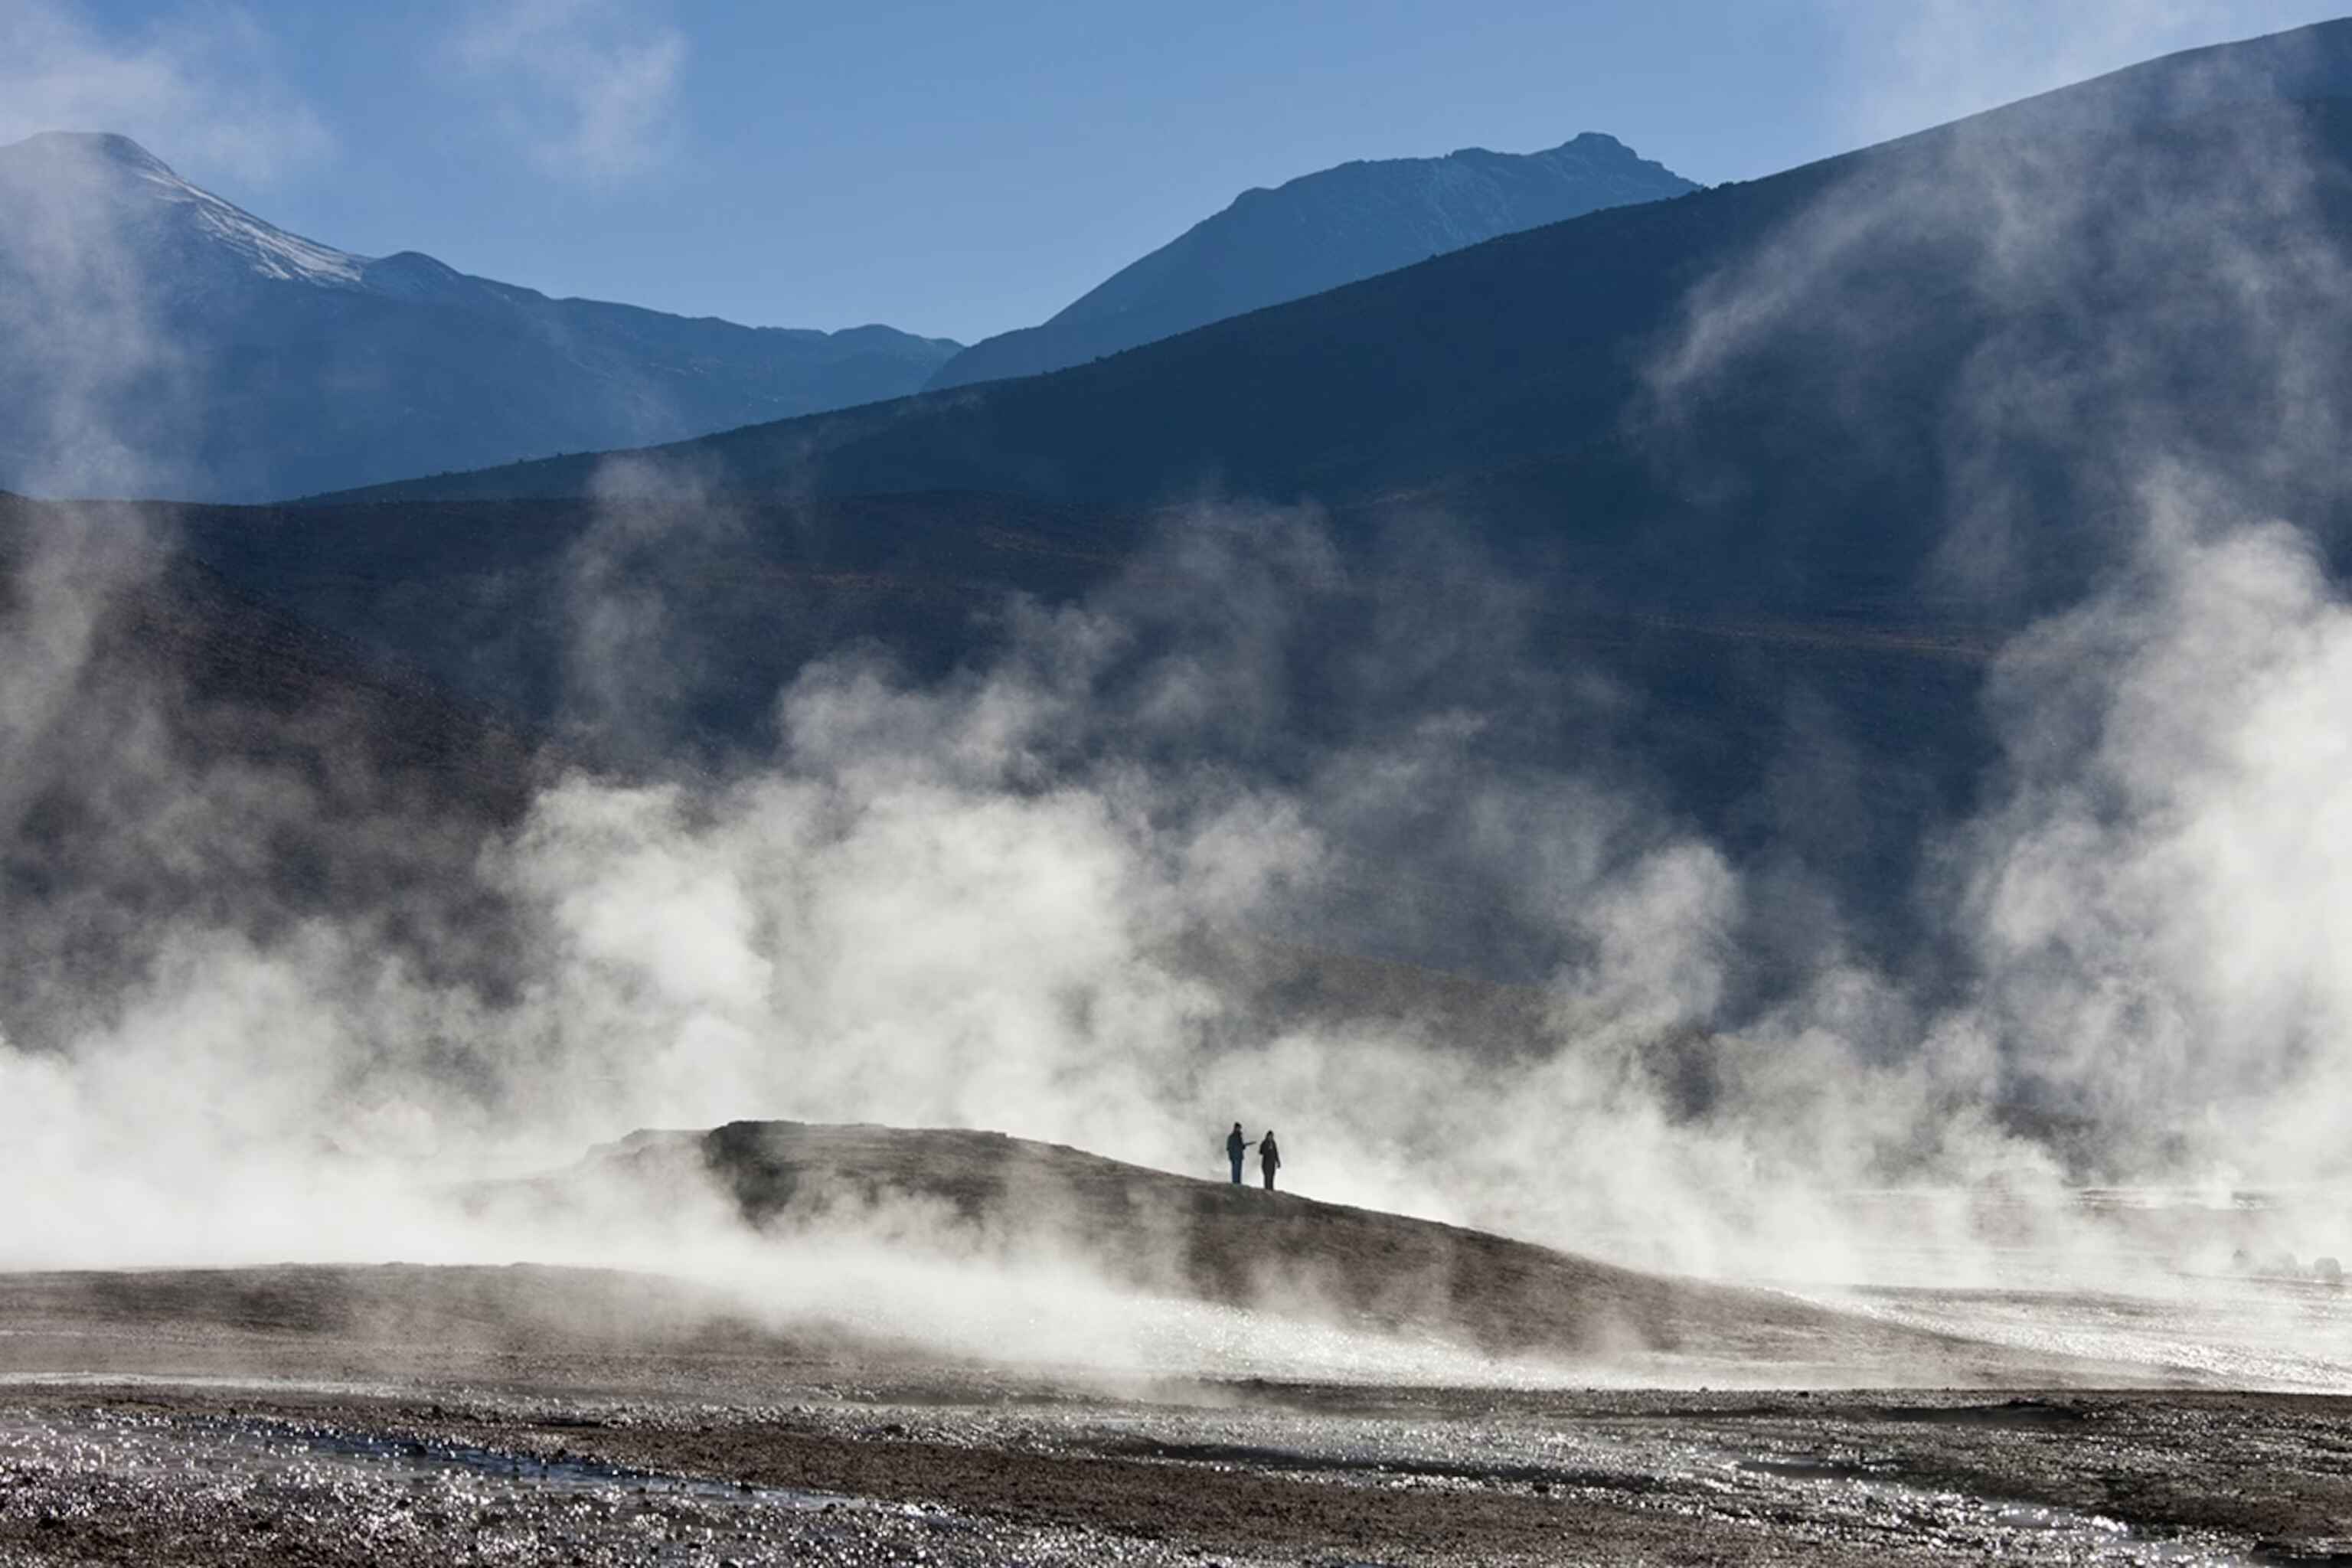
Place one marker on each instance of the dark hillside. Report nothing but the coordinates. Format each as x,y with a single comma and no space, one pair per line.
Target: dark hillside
488,596
185,758
1705,704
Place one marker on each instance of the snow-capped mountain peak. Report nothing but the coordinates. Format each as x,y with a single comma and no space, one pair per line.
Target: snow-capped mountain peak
138,184
200,351
270,250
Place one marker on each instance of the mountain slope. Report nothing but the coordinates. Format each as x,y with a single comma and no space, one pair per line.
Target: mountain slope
1318,232
1785,463
184,757
162,341
1771,394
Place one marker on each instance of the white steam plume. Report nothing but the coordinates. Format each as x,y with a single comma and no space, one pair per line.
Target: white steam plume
968,900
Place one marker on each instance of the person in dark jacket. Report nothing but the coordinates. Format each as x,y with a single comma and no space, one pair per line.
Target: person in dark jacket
1235,1147
1269,1157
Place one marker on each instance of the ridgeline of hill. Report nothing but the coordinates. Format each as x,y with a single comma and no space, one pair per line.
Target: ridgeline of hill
1318,232
1208,1241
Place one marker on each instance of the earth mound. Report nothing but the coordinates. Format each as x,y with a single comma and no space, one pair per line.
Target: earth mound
1172,1235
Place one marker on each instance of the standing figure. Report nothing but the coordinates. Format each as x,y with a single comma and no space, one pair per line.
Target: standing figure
1269,1157
1235,1147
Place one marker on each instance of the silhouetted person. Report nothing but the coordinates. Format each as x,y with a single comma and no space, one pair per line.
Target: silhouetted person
1235,1147
1269,1157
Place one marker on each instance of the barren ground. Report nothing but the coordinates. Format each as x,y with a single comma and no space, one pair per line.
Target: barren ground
412,1416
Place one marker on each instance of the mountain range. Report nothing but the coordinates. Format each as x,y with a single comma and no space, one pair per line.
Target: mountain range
1768,395
1738,494
168,343
162,341
1785,462
1314,233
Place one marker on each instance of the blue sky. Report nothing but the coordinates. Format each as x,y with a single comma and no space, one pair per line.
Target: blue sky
959,170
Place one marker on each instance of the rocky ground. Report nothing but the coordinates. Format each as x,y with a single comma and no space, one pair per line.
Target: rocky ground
429,1415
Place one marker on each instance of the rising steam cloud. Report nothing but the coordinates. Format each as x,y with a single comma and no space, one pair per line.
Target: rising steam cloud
984,900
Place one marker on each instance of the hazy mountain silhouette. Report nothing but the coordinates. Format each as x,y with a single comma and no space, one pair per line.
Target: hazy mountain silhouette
1316,232
223,358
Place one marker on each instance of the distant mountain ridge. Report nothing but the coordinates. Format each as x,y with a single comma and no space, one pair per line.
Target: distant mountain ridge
1506,382
1319,231
1815,535
164,342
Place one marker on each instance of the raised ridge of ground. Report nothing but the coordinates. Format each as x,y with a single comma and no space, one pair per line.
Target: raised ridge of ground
1283,1253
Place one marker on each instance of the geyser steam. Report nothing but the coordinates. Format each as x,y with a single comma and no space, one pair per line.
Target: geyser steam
982,901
